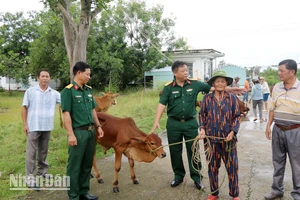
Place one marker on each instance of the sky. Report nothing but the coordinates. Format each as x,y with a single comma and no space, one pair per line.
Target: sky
248,32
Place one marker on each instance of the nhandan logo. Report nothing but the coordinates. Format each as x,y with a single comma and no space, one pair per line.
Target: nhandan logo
57,182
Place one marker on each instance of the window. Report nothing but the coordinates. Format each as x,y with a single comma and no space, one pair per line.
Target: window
190,68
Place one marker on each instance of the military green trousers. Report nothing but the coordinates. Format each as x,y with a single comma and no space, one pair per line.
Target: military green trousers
80,162
176,131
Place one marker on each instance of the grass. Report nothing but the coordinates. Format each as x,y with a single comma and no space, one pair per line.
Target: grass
140,105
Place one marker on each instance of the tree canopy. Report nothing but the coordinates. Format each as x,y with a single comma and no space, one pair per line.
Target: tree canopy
122,43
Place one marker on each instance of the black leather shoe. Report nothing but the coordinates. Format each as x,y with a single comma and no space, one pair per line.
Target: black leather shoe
272,196
176,182
198,185
87,197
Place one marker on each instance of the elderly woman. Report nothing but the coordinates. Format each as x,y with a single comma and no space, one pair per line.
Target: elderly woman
219,120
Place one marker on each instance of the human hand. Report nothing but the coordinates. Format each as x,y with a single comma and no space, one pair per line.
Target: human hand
155,125
201,134
230,136
72,140
26,130
268,133
100,132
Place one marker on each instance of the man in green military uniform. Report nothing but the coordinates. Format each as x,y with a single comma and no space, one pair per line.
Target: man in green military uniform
180,95
78,107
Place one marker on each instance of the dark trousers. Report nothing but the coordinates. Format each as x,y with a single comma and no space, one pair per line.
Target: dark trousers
177,131
228,153
80,162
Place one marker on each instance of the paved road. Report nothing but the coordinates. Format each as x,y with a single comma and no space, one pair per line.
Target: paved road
255,174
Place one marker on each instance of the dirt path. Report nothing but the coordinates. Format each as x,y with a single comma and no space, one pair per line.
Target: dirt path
255,174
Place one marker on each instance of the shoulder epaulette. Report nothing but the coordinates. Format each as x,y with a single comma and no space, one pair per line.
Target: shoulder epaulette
193,79
168,83
69,86
88,86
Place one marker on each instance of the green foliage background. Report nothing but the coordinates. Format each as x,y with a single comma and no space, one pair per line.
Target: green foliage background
140,105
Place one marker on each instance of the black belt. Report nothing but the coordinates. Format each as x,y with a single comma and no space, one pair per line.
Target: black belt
88,127
182,120
286,128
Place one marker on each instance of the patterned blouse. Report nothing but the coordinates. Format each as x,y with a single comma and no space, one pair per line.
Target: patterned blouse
219,118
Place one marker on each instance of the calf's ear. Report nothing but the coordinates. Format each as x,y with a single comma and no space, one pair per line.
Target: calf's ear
116,95
139,139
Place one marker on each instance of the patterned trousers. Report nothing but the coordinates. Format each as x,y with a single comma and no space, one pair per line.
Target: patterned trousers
226,151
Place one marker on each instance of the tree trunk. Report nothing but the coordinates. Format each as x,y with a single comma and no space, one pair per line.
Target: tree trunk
76,36
76,40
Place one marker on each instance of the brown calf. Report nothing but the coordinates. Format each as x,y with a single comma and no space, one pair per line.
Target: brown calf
125,138
105,101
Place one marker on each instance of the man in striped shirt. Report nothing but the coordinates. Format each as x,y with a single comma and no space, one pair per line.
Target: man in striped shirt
284,111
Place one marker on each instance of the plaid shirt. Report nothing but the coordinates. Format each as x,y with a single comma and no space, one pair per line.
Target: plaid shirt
41,108
219,118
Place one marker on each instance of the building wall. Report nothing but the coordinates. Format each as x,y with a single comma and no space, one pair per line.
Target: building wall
160,76
234,71
4,83
201,63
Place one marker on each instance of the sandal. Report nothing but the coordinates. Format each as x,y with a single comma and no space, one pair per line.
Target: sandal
212,197
254,120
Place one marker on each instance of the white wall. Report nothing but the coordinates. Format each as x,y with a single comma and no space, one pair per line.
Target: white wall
21,87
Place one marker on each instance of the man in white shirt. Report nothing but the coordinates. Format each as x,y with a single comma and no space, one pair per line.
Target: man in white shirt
38,111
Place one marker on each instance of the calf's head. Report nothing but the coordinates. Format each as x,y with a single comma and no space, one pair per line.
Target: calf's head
153,144
243,108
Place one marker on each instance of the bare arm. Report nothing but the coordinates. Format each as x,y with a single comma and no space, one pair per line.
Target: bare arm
235,90
24,113
159,111
96,121
72,140
268,127
229,89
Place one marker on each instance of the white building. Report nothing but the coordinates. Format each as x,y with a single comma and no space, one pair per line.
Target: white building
201,63
13,85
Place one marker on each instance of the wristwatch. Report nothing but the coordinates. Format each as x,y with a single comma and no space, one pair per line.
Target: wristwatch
98,126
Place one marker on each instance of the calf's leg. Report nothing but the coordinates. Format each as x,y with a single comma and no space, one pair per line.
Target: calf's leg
118,158
97,174
132,175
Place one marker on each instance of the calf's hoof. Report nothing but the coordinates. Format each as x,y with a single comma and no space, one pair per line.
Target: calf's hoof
136,182
100,181
116,189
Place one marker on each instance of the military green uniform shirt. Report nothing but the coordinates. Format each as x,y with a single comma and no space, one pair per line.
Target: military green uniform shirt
79,103
181,100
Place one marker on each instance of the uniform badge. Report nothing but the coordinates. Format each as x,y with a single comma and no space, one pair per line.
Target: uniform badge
77,96
175,92
189,90
76,87
89,95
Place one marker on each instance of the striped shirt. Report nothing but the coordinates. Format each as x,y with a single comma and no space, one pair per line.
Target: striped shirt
219,118
286,104
41,108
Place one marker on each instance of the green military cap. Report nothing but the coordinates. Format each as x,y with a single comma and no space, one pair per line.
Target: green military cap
220,73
